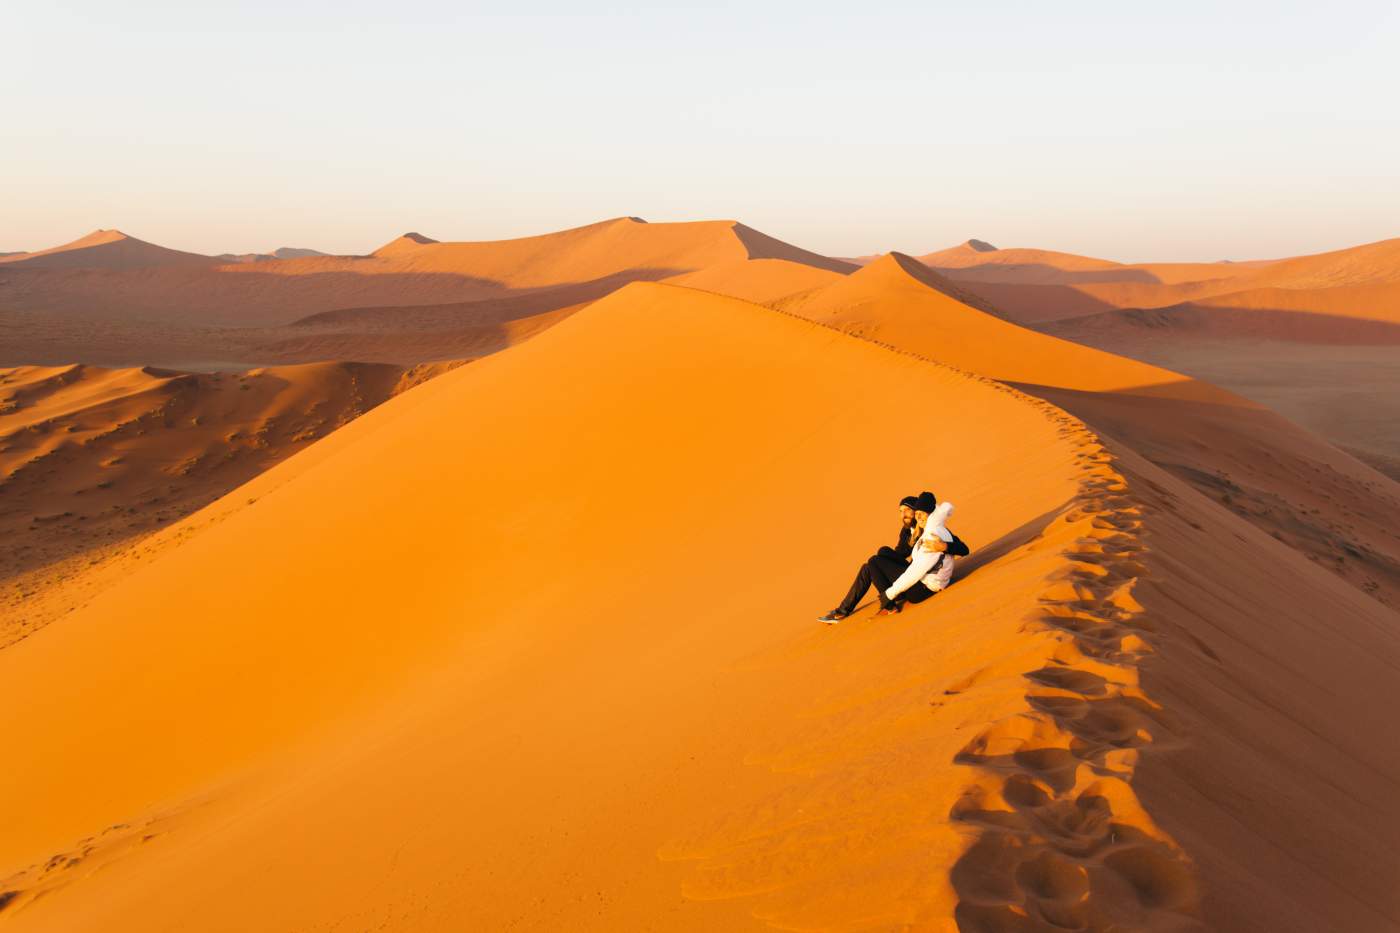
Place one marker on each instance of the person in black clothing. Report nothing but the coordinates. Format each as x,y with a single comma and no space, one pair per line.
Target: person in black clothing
931,563
887,559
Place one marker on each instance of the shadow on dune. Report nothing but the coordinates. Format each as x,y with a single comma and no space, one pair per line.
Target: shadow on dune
234,295
1036,273
1204,320
1031,304
1007,543
515,304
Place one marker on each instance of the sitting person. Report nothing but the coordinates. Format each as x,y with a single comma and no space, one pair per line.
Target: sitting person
891,558
930,566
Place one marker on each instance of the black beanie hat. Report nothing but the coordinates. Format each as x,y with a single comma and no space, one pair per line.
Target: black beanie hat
926,502
910,502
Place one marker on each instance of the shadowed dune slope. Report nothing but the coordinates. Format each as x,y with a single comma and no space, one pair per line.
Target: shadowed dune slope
1035,286
93,460
533,646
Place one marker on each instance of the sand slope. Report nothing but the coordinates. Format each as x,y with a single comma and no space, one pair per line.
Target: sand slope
414,712
94,460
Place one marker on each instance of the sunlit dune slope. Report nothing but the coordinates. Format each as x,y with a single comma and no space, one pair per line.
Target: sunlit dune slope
758,280
899,301
93,460
105,249
535,643
595,251
1286,481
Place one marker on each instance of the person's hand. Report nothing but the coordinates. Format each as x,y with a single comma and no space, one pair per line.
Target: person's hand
936,545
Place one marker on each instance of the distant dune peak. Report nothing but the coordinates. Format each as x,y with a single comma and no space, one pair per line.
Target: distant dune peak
408,241
110,249
981,246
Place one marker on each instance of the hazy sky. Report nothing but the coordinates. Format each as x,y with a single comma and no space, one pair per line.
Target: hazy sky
1190,130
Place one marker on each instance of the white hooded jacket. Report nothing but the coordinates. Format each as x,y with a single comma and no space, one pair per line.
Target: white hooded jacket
926,565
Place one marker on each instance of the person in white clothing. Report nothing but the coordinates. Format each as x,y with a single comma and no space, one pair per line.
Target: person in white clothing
931,563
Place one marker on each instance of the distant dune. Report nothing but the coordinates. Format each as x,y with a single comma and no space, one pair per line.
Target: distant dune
283,252
105,249
1314,337
1035,286
455,294
93,460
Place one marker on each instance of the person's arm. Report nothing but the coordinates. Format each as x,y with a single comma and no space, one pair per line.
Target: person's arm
920,563
956,547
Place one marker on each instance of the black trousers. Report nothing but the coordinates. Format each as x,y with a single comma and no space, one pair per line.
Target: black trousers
879,571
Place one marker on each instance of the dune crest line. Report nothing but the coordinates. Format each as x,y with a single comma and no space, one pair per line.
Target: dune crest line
1062,841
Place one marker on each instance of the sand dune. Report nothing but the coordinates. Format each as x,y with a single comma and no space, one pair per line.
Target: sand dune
105,249
1285,481
628,735
899,301
252,312
92,461
282,252
532,646
1034,286
1313,337
498,655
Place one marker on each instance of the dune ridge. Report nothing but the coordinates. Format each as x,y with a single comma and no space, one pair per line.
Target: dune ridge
756,685
1064,841
413,300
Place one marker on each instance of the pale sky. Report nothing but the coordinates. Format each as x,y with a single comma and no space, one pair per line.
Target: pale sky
1191,130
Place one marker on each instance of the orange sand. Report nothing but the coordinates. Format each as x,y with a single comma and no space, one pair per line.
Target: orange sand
532,646
411,301
93,460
